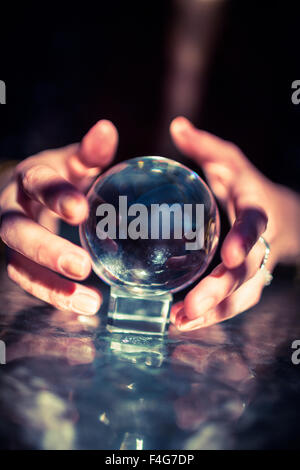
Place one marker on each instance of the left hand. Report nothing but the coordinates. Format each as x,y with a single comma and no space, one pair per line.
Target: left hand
255,206
44,188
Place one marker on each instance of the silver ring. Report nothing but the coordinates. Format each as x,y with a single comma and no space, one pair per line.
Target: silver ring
268,275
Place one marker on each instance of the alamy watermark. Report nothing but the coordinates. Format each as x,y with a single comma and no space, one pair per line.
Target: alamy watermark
2,92
159,221
2,352
295,97
296,354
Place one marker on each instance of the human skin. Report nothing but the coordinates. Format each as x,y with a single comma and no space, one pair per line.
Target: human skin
255,206
45,187
52,185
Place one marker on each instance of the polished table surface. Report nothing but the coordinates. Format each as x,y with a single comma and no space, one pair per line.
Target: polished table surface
69,384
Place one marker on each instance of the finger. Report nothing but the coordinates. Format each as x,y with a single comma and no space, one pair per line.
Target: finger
95,152
25,236
249,225
43,184
244,298
203,147
49,287
221,161
174,311
222,282
79,163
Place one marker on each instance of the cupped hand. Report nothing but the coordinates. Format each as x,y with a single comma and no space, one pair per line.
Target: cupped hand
255,206
45,187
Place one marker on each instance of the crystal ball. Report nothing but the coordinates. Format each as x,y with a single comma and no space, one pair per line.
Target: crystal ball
153,226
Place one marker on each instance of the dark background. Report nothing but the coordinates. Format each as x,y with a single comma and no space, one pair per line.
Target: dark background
67,65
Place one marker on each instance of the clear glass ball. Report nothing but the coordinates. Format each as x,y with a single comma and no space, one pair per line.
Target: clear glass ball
163,258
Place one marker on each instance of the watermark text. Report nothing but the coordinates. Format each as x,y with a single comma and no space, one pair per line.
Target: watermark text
2,352
157,221
2,92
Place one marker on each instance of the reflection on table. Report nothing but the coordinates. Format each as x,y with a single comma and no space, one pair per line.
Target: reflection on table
69,384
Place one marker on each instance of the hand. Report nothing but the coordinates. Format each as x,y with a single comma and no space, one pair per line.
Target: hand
45,187
255,206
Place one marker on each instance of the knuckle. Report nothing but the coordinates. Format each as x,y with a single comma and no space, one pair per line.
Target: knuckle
235,155
33,175
41,253
30,176
21,167
233,148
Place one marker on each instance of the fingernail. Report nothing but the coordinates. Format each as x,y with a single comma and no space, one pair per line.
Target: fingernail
86,304
181,126
105,127
72,264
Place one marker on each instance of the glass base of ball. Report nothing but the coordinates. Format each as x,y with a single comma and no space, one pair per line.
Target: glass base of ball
133,313
144,350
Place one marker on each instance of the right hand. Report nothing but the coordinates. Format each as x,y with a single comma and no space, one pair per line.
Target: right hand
45,187
255,206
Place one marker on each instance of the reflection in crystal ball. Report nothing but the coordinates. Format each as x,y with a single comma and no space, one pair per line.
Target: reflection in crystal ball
127,249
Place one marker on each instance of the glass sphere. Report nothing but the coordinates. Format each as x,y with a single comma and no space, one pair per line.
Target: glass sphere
153,226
